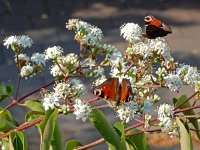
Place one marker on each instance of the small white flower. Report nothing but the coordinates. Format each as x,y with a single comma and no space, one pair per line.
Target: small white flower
71,59
160,46
64,109
99,71
26,71
55,70
115,59
62,90
173,82
147,120
189,74
50,100
99,80
85,33
147,107
38,59
81,110
22,57
126,113
10,41
77,87
161,72
109,48
165,110
53,52
24,41
166,124
131,32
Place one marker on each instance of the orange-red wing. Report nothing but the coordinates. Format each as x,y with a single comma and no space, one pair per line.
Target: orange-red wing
126,91
109,88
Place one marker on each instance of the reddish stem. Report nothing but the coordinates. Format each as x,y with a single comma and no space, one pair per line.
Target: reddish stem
102,106
181,104
14,102
22,127
186,109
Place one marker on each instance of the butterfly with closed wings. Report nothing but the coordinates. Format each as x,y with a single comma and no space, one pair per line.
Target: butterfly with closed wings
155,28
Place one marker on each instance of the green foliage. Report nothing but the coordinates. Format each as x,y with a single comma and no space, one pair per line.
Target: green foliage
17,141
7,122
34,105
185,136
136,142
33,115
105,129
72,144
188,112
46,129
5,92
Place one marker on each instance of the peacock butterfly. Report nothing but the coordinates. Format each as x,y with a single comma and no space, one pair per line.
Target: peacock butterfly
114,90
155,28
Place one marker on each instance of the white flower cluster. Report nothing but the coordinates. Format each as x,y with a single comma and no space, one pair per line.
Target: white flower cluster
62,91
73,87
127,111
86,33
50,100
26,71
17,44
165,115
22,41
109,49
174,82
131,32
53,52
188,74
119,67
38,59
63,63
148,48
22,57
161,47
81,110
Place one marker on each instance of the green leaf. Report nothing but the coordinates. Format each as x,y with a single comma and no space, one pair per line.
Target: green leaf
72,144
185,136
5,92
33,116
189,112
119,128
5,125
5,142
137,141
56,142
17,141
5,114
47,127
34,105
100,122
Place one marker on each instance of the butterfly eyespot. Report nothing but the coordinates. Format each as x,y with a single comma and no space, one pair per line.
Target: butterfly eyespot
97,92
148,18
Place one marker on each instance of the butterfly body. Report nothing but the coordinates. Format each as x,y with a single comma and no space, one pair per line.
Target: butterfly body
155,28
114,90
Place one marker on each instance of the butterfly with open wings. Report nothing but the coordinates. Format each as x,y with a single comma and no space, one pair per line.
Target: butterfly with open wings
115,90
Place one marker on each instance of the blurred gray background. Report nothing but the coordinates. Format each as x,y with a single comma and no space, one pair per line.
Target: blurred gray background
44,21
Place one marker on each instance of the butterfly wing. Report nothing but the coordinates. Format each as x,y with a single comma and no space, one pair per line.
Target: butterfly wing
126,91
114,90
155,28
108,89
